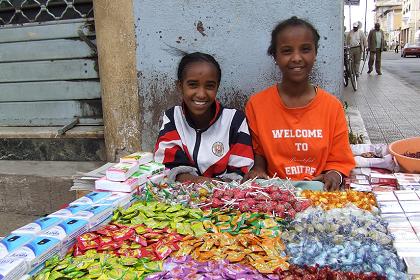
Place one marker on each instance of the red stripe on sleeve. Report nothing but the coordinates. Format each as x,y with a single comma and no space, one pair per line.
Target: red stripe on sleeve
242,150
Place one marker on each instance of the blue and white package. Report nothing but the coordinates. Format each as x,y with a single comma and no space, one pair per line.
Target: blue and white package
69,211
38,225
11,269
96,214
13,242
118,199
67,231
36,252
91,198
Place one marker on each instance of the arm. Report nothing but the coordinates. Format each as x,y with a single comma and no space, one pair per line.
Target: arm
258,170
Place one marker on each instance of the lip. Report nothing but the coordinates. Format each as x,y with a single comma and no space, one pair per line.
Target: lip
199,103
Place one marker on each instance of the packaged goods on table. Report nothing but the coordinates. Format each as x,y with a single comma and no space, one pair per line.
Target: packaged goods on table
158,215
135,241
98,266
265,254
347,239
121,171
138,157
188,268
330,200
317,273
264,199
12,242
189,195
235,222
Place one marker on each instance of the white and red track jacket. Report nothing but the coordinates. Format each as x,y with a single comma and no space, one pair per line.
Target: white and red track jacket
223,149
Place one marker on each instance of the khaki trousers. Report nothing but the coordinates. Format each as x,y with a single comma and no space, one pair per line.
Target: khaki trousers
356,55
375,56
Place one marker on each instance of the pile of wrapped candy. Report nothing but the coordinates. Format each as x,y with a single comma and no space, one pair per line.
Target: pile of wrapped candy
232,231
330,200
136,241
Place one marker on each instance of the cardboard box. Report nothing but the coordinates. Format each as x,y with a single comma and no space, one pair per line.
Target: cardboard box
96,215
121,171
38,225
139,158
36,252
70,211
91,198
12,269
119,199
127,186
12,242
389,207
152,168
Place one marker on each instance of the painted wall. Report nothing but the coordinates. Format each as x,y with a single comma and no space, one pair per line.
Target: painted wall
237,33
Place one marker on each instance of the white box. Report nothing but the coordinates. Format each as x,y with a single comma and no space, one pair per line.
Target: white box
121,171
13,242
91,198
119,199
36,252
152,168
12,269
403,234
406,195
407,249
38,225
69,211
385,196
127,186
139,158
388,207
96,214
413,265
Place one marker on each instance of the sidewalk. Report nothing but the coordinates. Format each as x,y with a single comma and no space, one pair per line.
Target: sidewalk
390,108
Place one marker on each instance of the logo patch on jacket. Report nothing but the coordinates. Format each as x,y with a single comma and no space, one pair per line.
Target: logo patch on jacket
218,149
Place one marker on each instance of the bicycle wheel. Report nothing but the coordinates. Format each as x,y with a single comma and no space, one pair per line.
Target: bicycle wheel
346,78
352,76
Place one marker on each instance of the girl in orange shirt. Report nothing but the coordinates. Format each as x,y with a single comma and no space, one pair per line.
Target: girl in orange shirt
298,131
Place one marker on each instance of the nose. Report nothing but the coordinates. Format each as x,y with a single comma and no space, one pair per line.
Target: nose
296,56
201,92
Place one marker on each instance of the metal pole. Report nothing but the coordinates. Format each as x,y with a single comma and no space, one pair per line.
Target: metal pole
349,15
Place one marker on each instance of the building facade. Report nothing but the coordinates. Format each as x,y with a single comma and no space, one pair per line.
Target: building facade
388,13
410,24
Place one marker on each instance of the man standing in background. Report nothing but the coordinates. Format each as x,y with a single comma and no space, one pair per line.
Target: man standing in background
376,44
356,40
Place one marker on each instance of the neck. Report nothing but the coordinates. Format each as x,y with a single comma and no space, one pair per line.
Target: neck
295,90
296,95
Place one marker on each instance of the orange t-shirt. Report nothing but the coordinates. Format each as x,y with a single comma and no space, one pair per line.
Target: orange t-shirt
299,143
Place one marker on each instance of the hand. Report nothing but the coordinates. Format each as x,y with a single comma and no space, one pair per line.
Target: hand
331,179
185,177
255,173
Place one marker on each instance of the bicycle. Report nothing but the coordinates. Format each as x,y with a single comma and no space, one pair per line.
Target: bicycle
349,71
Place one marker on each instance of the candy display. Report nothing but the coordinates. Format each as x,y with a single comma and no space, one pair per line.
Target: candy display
188,268
265,254
330,200
347,239
98,266
136,241
235,222
158,215
269,199
324,273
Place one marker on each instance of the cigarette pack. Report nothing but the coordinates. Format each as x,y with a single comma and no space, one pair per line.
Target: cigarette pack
121,171
12,269
152,168
96,215
411,206
396,221
139,158
388,207
403,234
385,196
36,252
38,225
91,198
383,179
127,186
69,211
406,195
413,265
407,249
66,232
12,242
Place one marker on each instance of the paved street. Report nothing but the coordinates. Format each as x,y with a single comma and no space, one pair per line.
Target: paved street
406,68
389,104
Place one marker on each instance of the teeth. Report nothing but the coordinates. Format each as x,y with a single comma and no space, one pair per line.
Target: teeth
200,102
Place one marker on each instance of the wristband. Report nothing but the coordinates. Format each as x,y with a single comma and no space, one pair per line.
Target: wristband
339,174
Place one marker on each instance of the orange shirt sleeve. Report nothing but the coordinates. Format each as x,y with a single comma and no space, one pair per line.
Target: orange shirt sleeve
252,124
340,157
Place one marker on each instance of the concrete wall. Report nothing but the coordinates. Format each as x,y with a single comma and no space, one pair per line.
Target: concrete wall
237,33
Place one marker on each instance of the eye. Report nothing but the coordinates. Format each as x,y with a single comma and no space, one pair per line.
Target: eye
307,49
192,84
211,86
286,51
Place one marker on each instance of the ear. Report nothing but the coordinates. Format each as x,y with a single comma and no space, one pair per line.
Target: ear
178,85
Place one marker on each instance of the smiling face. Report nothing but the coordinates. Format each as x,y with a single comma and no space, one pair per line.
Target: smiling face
295,53
198,87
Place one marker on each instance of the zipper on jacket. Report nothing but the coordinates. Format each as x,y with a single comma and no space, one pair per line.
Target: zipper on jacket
196,148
